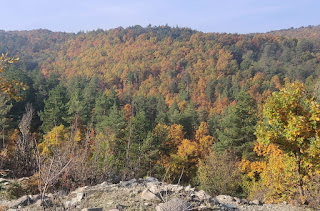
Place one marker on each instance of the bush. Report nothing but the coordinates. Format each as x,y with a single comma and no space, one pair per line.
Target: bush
15,190
219,174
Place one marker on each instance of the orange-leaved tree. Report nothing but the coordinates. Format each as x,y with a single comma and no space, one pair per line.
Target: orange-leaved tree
184,162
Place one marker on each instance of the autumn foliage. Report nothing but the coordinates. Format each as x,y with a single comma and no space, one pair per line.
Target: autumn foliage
174,103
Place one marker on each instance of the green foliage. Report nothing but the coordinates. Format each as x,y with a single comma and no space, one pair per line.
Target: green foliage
238,128
55,110
219,174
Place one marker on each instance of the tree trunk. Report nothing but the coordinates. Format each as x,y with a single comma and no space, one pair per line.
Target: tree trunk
300,181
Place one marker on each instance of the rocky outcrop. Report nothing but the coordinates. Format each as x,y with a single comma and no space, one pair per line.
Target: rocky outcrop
141,194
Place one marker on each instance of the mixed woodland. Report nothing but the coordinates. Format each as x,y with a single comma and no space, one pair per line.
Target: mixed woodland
232,114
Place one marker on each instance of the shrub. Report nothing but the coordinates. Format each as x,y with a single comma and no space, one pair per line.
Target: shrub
219,174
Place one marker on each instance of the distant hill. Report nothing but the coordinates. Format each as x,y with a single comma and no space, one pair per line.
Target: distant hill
309,32
177,63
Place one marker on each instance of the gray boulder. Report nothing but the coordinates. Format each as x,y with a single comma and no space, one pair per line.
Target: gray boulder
23,201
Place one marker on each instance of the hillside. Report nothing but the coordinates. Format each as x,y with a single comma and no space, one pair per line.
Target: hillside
165,102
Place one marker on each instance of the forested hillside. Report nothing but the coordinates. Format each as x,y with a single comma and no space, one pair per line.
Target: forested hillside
174,103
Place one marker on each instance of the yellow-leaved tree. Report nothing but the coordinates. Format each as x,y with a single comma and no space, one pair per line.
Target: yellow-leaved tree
288,141
10,88
54,139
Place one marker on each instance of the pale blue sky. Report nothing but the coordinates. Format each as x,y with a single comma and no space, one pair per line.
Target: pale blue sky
240,16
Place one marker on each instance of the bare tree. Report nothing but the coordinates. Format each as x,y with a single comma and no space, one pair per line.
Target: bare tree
24,159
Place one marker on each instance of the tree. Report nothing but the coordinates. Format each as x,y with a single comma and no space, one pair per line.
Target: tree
10,88
55,109
218,173
189,119
101,108
137,130
291,122
4,109
238,127
24,164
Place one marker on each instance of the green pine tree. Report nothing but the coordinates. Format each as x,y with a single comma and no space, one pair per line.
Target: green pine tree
237,128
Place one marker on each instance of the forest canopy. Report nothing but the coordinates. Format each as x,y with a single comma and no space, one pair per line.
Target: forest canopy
173,103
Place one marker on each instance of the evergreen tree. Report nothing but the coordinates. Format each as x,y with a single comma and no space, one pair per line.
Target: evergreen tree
114,123
137,131
174,114
237,128
101,108
89,95
189,119
4,109
55,109
162,109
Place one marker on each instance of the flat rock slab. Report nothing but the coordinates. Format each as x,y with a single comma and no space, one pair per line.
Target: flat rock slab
149,196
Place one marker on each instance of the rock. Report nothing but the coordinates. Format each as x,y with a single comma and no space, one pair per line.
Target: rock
203,207
67,204
189,188
237,200
6,183
34,197
149,196
105,184
128,183
225,199
154,188
110,202
256,202
79,197
92,209
114,210
75,200
244,201
147,204
22,201
228,207
23,179
151,179
79,190
152,184
174,204
202,195
2,180
176,188
119,207
213,201
47,202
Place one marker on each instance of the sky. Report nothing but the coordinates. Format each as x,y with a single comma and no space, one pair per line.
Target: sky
231,16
